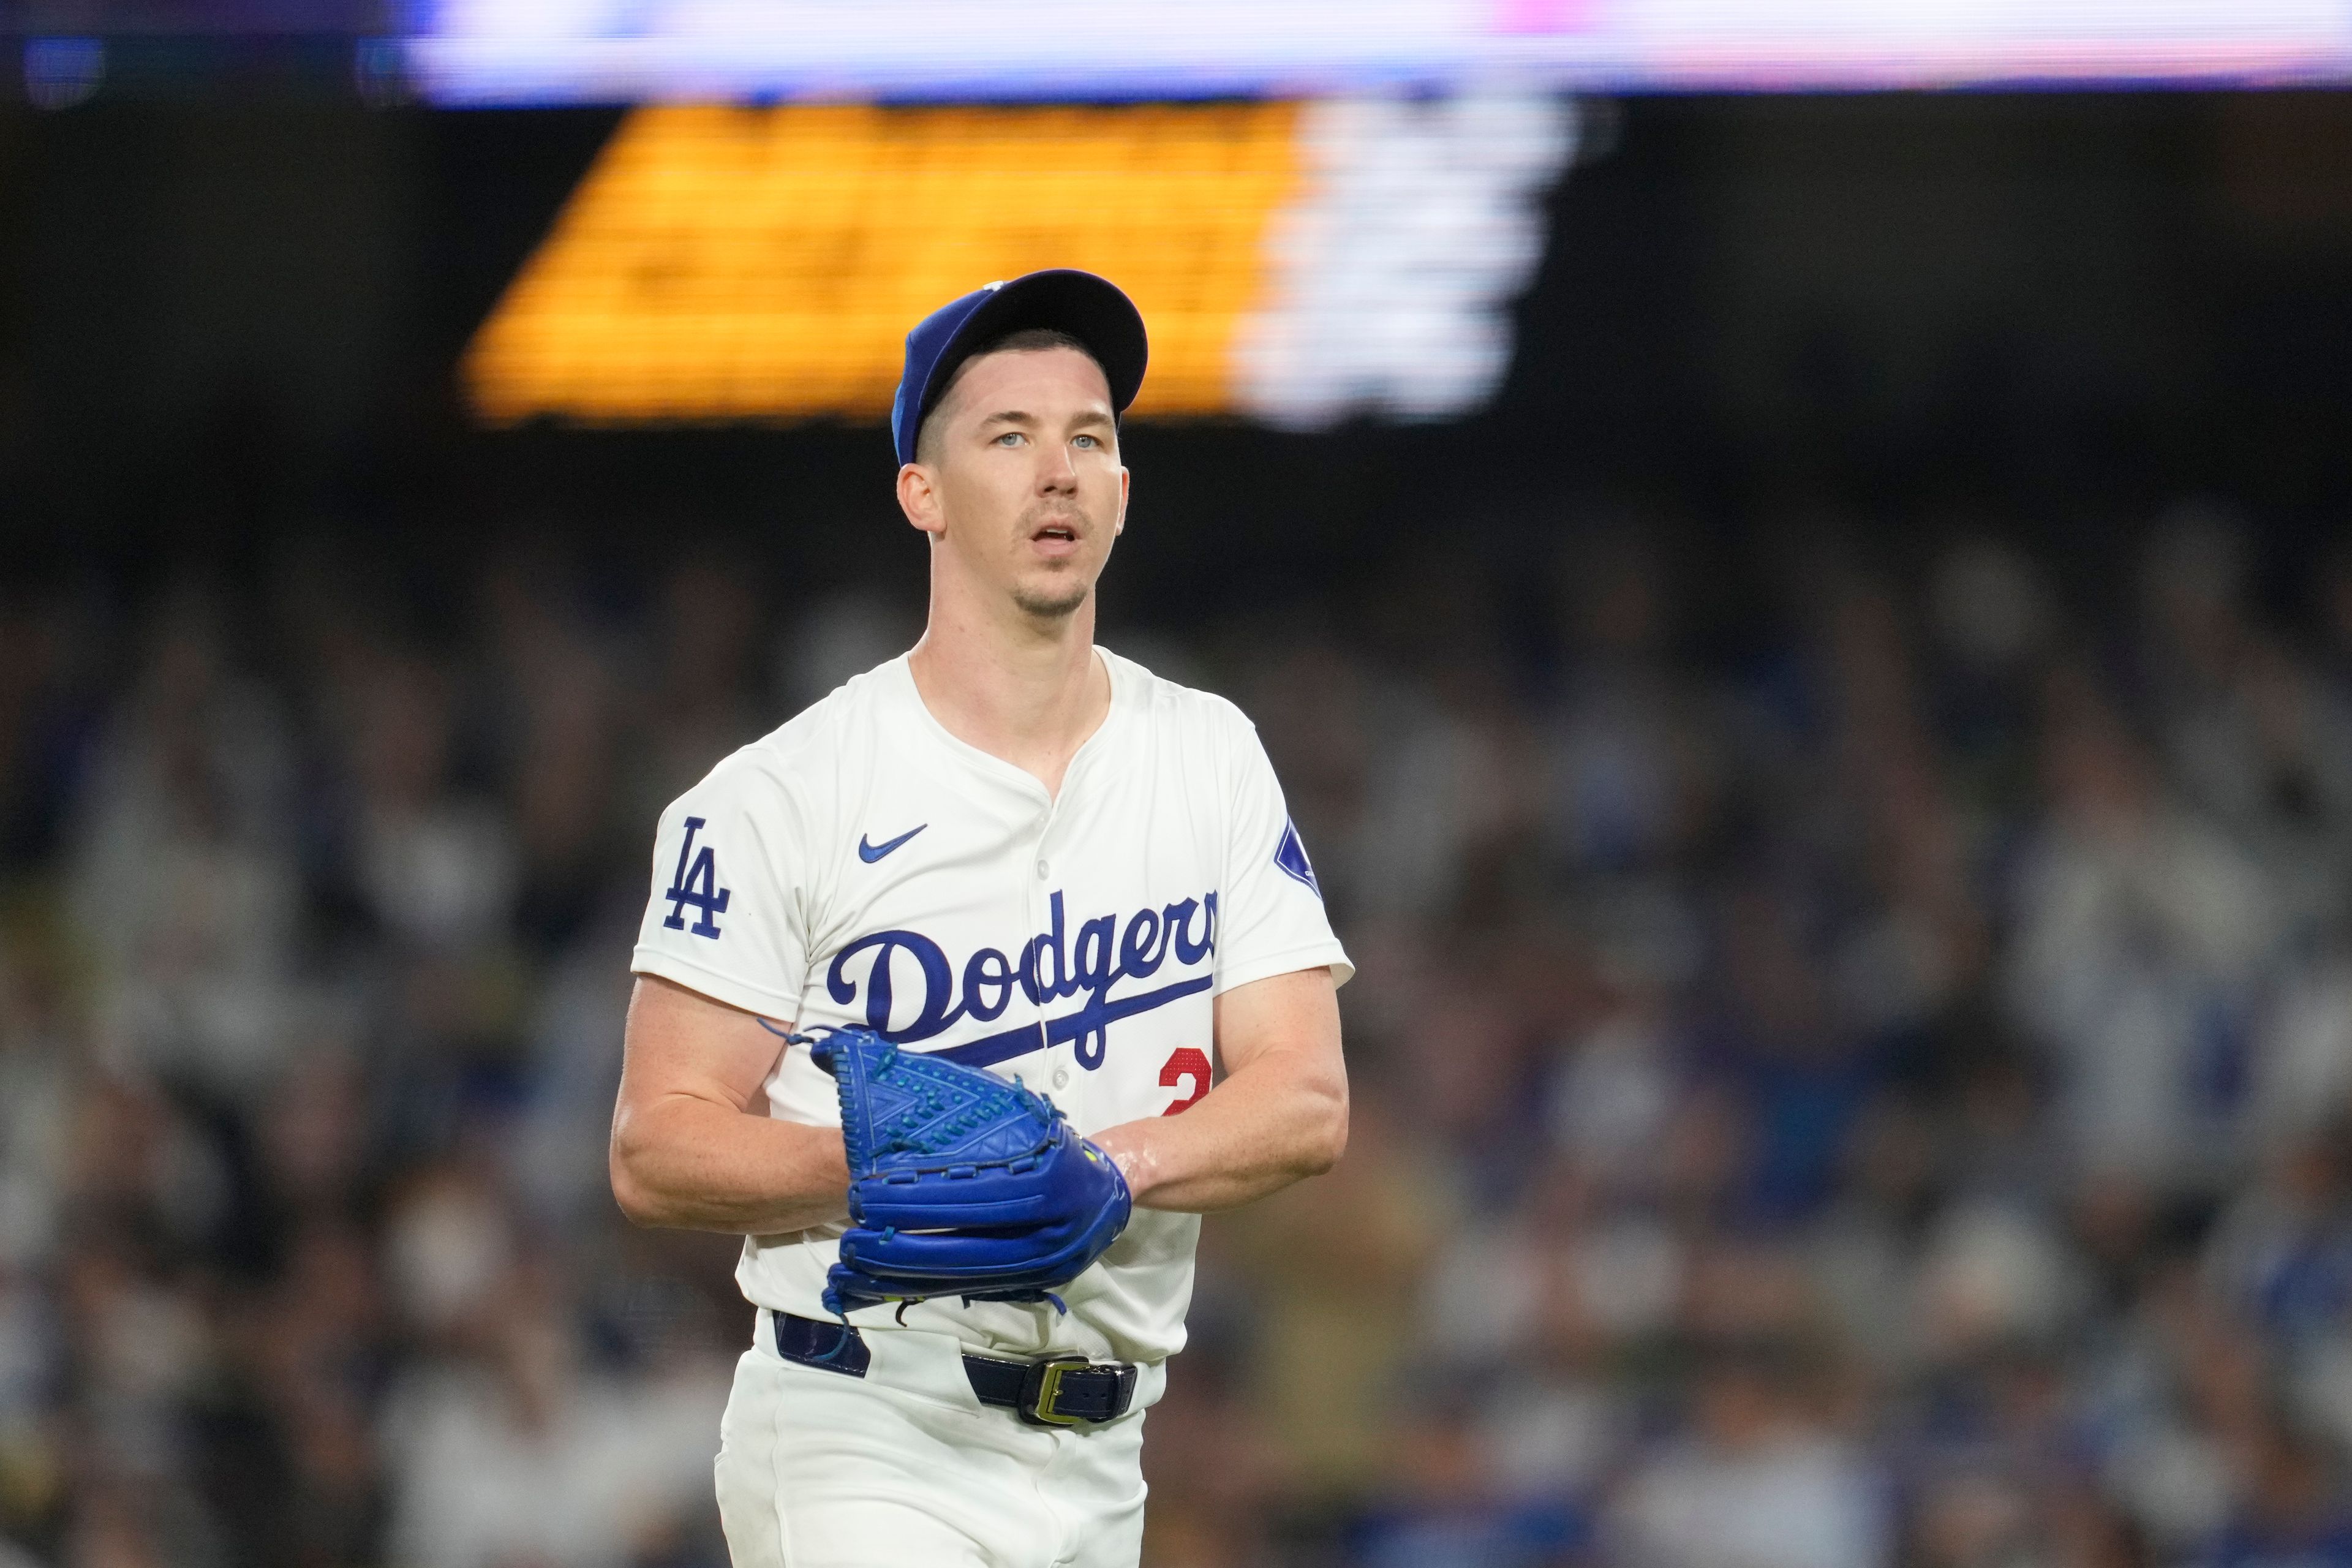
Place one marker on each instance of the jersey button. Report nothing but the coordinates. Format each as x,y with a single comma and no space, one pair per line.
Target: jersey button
1061,1077
1044,871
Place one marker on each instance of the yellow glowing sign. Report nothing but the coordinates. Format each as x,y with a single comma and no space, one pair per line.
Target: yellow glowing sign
723,263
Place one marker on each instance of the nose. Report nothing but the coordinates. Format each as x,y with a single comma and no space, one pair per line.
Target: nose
1056,474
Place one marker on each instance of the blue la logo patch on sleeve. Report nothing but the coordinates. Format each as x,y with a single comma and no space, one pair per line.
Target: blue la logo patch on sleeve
695,884
1291,856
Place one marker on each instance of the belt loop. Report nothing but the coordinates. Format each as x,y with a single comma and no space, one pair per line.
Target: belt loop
827,1347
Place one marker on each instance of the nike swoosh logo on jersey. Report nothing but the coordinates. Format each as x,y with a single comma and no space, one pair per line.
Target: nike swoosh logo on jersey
870,853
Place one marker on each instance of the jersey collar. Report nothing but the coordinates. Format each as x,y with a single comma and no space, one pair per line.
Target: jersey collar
922,720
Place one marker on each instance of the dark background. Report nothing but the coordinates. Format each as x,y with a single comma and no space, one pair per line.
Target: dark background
223,321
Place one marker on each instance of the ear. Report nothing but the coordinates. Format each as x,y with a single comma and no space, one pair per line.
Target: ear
1120,527
919,498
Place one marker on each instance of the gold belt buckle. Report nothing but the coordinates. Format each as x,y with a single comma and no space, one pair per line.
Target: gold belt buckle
1045,1386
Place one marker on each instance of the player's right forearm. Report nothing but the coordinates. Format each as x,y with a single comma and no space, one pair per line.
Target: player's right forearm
695,1164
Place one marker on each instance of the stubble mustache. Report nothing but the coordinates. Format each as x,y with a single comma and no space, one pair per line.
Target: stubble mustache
1071,514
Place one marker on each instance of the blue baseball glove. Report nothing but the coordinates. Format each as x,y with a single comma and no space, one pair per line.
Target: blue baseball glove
960,1183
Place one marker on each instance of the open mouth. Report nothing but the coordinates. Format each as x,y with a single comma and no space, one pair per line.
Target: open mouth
1055,533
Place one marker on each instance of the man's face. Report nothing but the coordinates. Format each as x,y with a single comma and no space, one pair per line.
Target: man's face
1021,483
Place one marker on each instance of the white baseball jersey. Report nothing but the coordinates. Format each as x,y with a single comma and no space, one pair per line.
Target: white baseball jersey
863,866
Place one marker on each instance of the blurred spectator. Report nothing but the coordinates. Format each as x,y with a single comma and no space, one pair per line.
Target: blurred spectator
2295,1509
1858,1077
1758,1483
520,1454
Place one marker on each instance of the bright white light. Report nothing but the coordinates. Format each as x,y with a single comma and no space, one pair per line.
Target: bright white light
558,50
1393,280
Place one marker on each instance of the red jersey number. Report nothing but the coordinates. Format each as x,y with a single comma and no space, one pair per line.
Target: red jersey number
1191,1062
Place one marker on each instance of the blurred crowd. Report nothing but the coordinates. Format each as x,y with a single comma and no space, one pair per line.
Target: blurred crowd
1869,1086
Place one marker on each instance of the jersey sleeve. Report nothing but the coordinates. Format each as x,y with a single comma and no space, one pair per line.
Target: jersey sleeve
1270,920
728,915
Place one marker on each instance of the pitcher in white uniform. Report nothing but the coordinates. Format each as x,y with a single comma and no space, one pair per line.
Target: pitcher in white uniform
1021,851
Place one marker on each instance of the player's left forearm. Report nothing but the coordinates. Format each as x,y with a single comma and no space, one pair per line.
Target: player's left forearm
1282,1117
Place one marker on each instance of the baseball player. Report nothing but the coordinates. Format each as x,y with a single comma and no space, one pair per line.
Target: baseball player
1007,850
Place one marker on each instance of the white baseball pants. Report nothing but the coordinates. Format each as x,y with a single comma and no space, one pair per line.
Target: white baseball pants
904,1467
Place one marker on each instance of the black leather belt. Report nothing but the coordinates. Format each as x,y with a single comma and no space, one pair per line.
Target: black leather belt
1058,1391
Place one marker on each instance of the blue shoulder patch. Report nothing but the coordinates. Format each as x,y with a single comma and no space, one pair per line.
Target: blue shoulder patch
1291,856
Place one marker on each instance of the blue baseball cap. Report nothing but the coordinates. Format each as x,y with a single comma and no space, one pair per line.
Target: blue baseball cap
1090,308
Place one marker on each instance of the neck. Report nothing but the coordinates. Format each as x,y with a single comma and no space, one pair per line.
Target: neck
1023,688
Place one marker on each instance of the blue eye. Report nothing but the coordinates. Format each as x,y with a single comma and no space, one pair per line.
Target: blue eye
1088,441
1009,437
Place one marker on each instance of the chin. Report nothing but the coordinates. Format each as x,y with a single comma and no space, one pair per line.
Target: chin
1050,601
